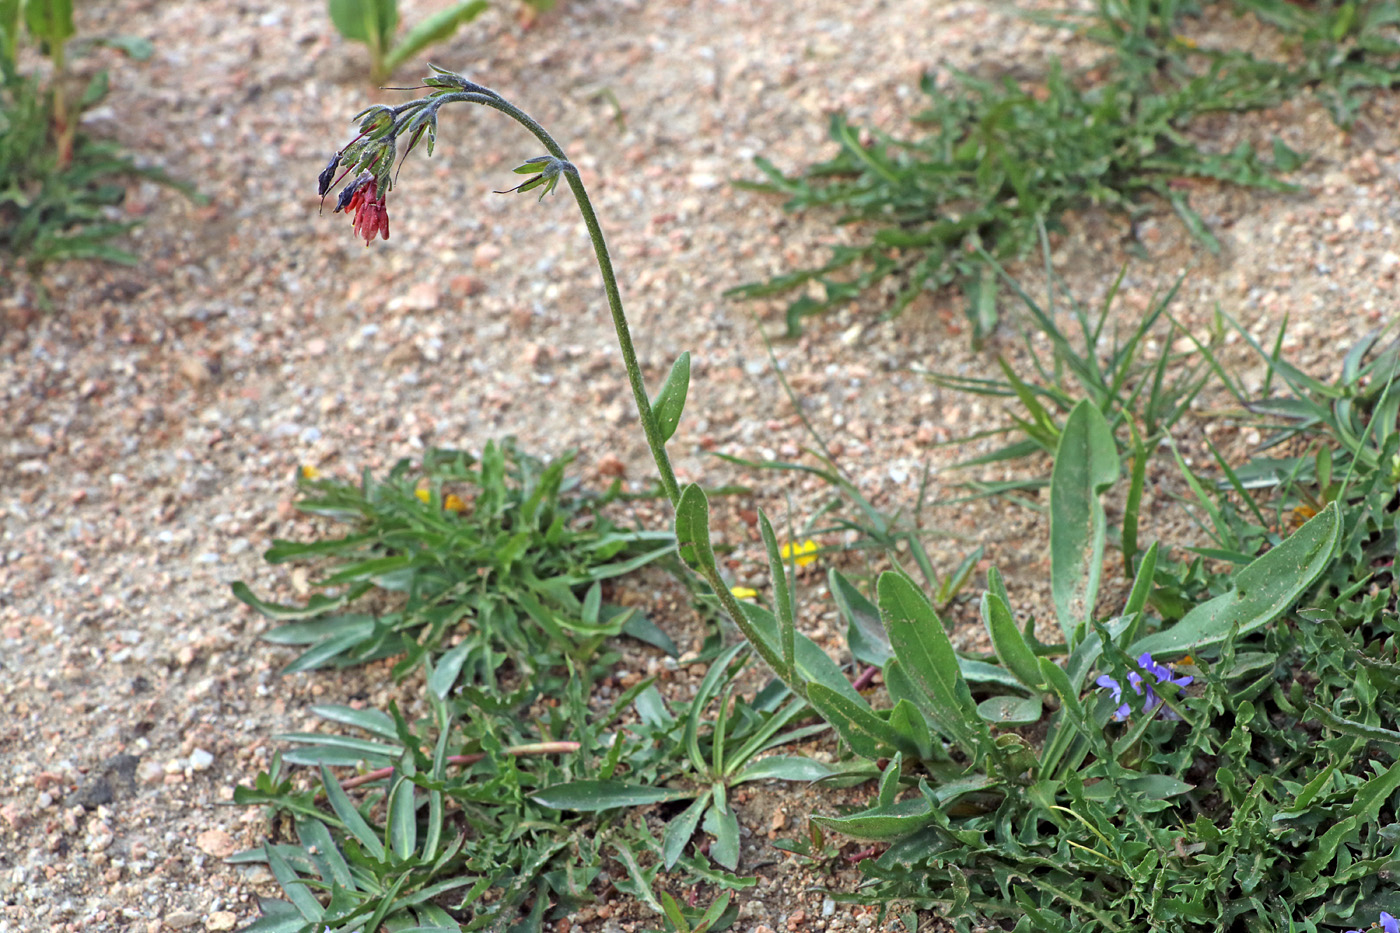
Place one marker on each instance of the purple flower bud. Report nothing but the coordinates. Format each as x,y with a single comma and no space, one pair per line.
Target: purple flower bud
328,175
349,190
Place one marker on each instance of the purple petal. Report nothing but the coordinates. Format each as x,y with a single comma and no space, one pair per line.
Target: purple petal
1389,923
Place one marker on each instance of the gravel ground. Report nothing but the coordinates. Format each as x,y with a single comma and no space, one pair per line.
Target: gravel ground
154,418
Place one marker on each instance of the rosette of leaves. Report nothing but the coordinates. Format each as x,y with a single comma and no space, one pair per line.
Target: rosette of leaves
471,563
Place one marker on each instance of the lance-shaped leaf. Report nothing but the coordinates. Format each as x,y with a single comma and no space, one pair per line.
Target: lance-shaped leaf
927,656
693,530
1007,641
1086,463
1263,591
670,401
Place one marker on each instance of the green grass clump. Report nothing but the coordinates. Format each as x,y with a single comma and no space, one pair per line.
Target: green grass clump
485,566
993,160
58,185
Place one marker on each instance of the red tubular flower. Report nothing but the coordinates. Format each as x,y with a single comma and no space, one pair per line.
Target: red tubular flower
369,207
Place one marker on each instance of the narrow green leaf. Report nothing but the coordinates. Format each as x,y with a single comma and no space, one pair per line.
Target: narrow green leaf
402,828
1007,641
436,28
592,796
782,594
293,886
354,823
670,401
1086,464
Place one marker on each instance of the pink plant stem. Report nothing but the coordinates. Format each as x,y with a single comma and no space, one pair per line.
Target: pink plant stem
866,678
537,748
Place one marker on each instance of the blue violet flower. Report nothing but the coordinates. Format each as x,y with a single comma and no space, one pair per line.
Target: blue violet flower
1387,923
1161,674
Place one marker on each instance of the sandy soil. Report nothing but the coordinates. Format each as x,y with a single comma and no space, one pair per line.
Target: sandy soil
154,418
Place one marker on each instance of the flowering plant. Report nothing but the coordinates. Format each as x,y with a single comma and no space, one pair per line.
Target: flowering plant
1387,923
1157,675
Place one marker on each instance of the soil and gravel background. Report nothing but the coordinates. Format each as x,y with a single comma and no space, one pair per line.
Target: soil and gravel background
152,420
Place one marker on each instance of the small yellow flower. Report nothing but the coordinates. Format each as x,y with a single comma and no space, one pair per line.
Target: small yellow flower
806,552
1186,41
743,592
310,472
454,503
422,494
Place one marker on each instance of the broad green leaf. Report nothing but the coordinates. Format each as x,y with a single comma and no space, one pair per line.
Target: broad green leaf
813,664
783,768
592,796
865,635
670,401
448,668
866,733
51,21
1008,642
436,28
693,530
640,627
681,828
883,824
721,823
370,21
373,721
909,723
134,47
927,656
1086,464
1263,591
1156,786
1011,711
278,917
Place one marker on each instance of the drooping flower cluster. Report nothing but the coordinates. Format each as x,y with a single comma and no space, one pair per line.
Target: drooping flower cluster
1160,674
1387,923
363,199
